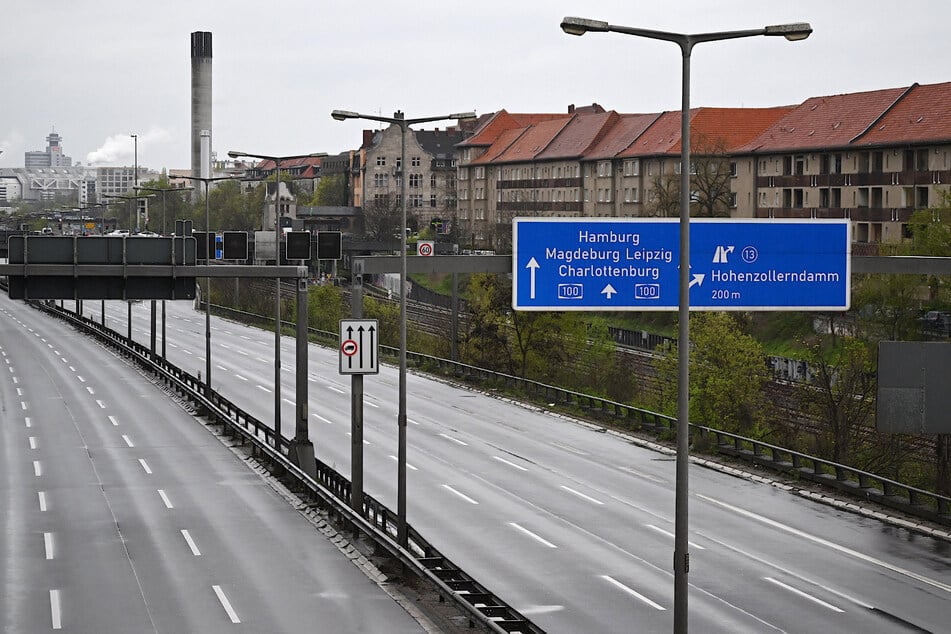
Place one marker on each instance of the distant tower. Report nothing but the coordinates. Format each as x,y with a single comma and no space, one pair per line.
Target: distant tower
201,97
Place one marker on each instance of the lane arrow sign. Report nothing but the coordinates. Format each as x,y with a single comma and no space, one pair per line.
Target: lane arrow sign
532,265
608,291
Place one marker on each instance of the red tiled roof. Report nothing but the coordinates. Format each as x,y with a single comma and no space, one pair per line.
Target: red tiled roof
533,141
624,132
503,120
583,130
501,144
820,122
662,137
922,115
733,127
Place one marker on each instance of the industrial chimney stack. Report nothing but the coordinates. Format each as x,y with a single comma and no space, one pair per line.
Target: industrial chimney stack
201,99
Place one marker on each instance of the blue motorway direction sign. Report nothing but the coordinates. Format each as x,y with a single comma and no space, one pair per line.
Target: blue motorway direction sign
633,264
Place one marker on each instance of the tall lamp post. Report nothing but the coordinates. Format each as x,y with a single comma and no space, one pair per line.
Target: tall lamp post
580,26
400,120
301,407
163,191
131,202
207,181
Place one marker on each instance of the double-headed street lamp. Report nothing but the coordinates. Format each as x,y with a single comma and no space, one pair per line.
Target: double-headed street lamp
580,26
207,181
163,191
400,120
301,422
129,199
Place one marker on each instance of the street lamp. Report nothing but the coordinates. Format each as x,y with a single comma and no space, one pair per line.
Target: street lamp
301,407
797,31
400,120
207,181
163,190
129,200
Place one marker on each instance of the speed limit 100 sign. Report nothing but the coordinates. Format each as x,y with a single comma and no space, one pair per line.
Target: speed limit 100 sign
359,346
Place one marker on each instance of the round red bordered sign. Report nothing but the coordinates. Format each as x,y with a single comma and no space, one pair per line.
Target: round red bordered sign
349,347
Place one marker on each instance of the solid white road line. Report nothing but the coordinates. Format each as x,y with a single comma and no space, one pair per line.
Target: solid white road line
226,604
525,531
191,543
582,495
461,495
511,464
842,549
632,592
804,595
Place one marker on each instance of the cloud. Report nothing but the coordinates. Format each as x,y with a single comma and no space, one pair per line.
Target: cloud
120,148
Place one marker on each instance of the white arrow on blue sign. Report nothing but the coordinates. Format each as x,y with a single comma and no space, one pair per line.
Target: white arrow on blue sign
633,264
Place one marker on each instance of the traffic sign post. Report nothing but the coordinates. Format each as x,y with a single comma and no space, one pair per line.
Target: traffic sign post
604,264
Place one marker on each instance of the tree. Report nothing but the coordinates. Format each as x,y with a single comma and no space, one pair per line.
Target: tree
844,387
382,218
710,177
331,191
727,375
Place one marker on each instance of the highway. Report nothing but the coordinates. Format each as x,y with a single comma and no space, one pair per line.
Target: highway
572,525
121,513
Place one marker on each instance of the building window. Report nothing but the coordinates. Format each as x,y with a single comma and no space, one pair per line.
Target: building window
416,180
480,213
631,167
604,168
380,180
381,161
480,173
733,169
432,180
416,201
432,200
414,161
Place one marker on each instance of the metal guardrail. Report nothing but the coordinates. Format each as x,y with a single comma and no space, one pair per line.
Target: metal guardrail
848,480
330,488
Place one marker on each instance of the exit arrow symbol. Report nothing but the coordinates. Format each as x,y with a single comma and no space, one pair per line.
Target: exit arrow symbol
697,279
533,266
608,291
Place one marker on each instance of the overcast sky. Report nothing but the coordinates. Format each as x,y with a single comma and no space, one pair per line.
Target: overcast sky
99,71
